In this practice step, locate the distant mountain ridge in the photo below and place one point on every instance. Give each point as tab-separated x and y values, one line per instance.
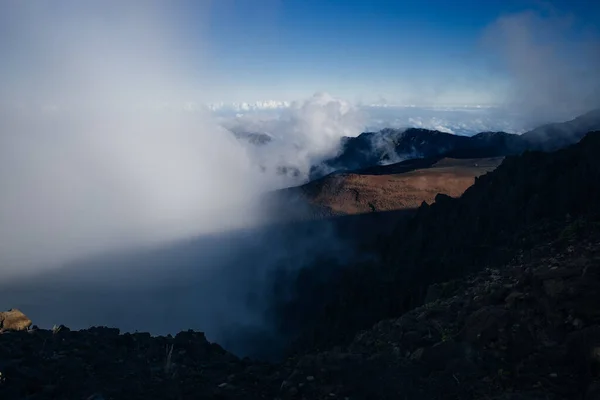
528	199
389	146
552	137
255	138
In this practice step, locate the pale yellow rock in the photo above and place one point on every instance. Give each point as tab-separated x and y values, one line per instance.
14	320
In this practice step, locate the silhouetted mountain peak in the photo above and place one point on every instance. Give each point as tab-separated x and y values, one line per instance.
255	138
394	145
551	137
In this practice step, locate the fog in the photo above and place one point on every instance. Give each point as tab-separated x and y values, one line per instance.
305	133
97	150
87	160
549	63
125	205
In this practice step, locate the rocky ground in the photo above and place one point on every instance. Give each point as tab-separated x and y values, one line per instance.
528	330
528	200
495	295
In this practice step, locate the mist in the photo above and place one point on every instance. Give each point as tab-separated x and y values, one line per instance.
550	64
125	206
304	134
89	159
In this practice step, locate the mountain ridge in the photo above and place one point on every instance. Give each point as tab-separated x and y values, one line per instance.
393	145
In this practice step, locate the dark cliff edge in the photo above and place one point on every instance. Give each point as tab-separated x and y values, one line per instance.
490	296
526	199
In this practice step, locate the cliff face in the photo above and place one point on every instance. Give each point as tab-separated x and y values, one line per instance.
526	330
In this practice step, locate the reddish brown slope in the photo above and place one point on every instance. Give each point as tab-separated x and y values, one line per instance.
387	189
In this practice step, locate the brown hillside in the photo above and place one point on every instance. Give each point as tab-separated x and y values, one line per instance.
389	190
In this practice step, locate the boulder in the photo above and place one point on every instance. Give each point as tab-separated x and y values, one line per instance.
485	323
14	320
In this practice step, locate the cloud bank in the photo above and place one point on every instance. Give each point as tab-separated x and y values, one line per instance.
304	133
150	209
552	65
87	163
95	157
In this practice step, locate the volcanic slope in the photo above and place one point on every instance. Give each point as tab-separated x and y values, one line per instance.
401	186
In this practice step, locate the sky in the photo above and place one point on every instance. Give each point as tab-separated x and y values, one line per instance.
410	51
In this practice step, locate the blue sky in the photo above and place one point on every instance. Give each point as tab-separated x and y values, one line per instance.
426	50
420	52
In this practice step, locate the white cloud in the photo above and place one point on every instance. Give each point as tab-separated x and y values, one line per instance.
109	145
92	172
457	120
304	133
553	69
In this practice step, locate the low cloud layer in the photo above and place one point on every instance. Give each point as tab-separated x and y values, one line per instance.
151	211
305	133
93	159
87	161
550	63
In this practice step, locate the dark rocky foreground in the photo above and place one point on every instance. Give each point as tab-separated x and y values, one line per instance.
495	295
527	330
527	200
